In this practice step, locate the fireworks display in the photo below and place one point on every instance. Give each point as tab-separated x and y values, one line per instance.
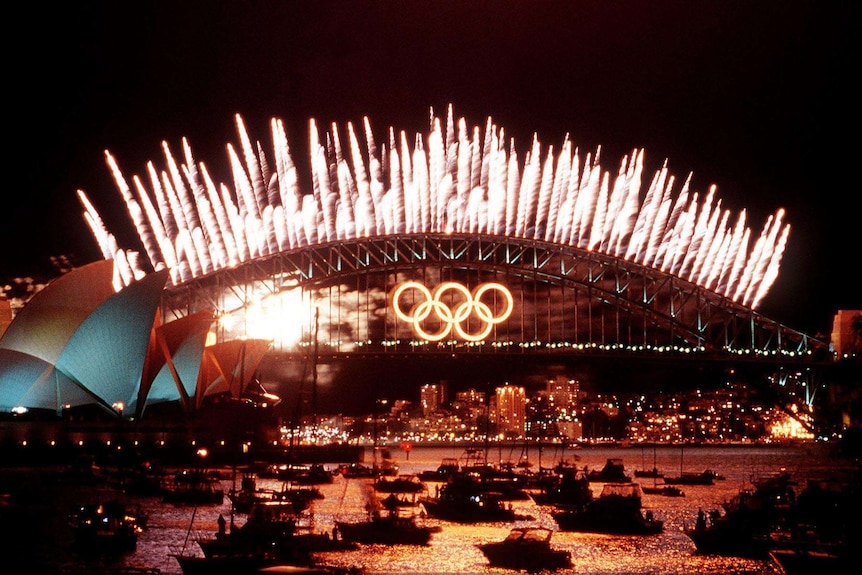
455	180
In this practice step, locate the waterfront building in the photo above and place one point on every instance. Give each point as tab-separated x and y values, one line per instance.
429	397
511	412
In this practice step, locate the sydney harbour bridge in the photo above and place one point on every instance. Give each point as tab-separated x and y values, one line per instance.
451	247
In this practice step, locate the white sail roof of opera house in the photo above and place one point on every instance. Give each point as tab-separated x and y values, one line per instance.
174	361
229	366
78	341
43	326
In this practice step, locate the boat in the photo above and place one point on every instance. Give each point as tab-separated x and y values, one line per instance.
397	519
396	526
743	530
565	486
358	470
612	472
402	483
528	549
665	490
506	481
248	494
103	570
447	468
273	528
141	478
194	487
314	569
106	527
706	477
300	474
806	561
618	511
244	498
653	473
464	499
229	564
386	466
300	496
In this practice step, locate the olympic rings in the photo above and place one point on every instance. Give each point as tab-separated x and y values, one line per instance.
452	318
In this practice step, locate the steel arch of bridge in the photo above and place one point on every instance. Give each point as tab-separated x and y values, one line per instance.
636	307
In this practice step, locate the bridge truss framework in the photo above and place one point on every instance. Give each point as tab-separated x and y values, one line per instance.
567	299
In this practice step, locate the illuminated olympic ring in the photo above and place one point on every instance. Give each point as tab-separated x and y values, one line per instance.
452	318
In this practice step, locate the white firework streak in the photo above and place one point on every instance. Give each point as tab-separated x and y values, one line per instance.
616	201
454	180
738	267
660	223
512	183
706	255
174	208
134	208
772	268
163	204
570	198
224	232
168	228
212	249
158	230
200	263
669	249
717	252
771	233
256	194
751	264
586	205
546	191
642	223
286	178
561	177
599	215
686	231
96	225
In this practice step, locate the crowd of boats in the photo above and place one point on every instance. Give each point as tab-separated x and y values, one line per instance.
801	528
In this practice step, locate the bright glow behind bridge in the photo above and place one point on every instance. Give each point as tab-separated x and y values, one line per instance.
455	180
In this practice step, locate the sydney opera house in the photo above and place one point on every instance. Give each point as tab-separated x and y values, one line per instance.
80	344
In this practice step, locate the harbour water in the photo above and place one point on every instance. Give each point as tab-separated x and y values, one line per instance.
40	541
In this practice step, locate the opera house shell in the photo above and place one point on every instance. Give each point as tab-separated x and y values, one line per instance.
80	341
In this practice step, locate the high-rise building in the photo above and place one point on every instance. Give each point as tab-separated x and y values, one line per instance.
511	409
471	397
563	394
429	397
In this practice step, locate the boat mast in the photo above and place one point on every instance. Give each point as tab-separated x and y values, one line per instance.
314	373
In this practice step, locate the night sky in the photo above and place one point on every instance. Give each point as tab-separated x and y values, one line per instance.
759	98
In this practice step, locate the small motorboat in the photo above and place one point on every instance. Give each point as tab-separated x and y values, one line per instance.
617	511
465	499
665	490
448	467
393	527
107	526
194	487
613	472
528	549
